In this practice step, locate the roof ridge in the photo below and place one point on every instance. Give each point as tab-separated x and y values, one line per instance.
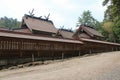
39	18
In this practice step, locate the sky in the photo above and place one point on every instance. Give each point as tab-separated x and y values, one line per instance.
62	12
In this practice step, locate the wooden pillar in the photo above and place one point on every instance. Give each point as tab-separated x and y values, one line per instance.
105	49
79	53
43	59
62	55
33	59
53	56
90	51
112	49
20	47
116	49
38	53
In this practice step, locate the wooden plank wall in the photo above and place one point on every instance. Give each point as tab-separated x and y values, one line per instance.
21	45
14	50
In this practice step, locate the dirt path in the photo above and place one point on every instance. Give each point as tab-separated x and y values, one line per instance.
105	66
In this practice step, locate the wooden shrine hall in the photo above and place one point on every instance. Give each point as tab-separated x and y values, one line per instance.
38	39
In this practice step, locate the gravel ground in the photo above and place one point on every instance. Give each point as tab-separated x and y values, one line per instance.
104	66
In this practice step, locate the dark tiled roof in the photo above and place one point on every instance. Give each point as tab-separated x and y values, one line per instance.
91	31
39	24
28	36
83	35
66	34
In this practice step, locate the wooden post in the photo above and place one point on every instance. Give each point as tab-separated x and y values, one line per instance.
107	49
90	51
53	56
33	59
43	60
38	53
79	53
116	49
112	49
62	55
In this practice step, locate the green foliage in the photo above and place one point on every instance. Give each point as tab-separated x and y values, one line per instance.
108	31
108	26
116	30
105	2
87	19
9	23
112	14
104	33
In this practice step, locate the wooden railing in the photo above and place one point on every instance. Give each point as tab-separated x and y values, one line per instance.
20	44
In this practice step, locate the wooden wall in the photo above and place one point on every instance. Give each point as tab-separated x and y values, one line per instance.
14	46
18	50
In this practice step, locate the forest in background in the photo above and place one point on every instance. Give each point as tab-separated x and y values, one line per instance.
109	27
9	23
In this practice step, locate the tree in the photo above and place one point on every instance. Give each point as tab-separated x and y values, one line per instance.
87	19
9	23
108	27
112	14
